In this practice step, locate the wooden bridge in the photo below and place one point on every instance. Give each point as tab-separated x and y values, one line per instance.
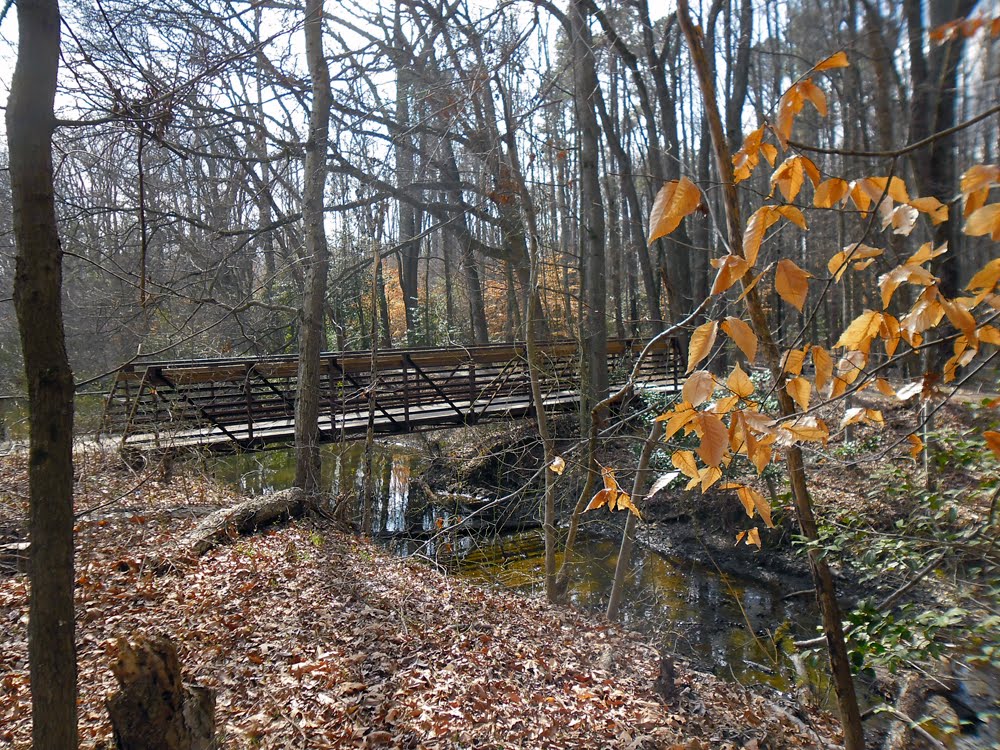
249	403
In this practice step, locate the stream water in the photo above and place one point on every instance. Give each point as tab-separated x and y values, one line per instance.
725	623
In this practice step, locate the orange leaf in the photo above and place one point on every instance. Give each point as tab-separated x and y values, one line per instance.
698	387
714	438
676	199
758	501
752	536
741	335
985	220
884	388
558	465
702	341
836	60
763	218
993	441
839	262
930	205
792	361
917	445
794	215
792	283
739	383
731	269
603	497
682	416
788	178
925	253
799	389
824	367
861	331
830	192
803	428
709	476
685	463
985	278
911	274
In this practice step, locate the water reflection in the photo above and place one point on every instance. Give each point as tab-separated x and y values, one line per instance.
720	620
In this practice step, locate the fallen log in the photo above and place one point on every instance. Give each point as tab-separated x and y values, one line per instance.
227	524
153	708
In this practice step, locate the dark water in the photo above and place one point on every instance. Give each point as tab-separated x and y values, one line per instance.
726	623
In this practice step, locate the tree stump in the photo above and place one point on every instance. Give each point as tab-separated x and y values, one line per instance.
153	709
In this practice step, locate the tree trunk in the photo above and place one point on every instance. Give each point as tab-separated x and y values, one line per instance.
932	110
38	301
593	328
307	458
153	709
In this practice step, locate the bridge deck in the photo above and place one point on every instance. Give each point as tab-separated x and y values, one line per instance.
243	403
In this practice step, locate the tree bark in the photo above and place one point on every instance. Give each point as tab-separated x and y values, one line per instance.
153	708
38	301
593	328
307	457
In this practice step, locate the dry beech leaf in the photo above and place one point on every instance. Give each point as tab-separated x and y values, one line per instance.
830	192
603	497
934	208
851	254
836	60
662	482
685	463
758	224
985	220
740	333
800	389
558	465
731	269
985	279
739	383
709	476
792	361
902	219
916	445
792	283
824	367
883	387
676	199
861	331
926	253
714	438
698	387
752	536
702	341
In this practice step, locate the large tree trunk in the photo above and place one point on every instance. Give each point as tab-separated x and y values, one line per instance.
307	458
593	328
932	110
407	214
38	300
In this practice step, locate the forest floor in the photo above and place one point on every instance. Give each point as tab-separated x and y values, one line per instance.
315	638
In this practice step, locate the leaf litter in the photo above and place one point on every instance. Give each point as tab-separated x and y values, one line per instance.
315	638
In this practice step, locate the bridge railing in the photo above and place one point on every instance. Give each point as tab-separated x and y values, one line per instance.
250	402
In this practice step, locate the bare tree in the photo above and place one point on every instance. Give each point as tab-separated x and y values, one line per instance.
307	457
38	299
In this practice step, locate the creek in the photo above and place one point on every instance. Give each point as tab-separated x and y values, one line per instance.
723	622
